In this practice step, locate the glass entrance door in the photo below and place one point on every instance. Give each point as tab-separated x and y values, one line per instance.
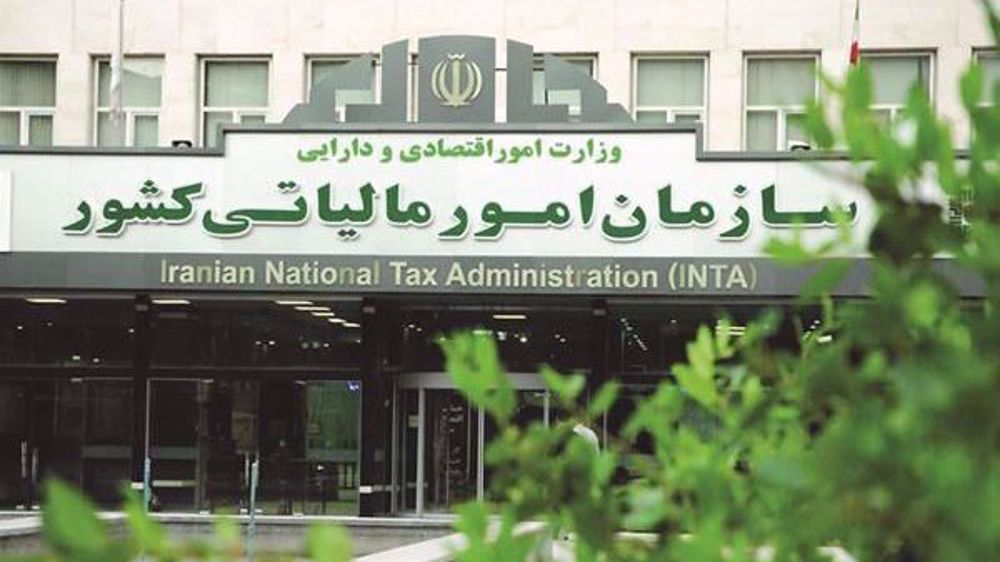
203	436
175	419
78	430
13	446
438	441
451	449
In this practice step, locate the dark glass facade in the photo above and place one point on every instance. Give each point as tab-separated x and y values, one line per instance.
90	385
342	401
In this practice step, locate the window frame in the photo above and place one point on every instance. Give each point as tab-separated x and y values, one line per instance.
26	112
672	111
130	112
341	110
893	109
413	84
538	62
977	55
236	113
781	112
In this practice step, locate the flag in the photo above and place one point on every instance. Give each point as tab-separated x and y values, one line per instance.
117	60
855	35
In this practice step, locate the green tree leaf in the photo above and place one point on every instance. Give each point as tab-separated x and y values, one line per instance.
603	399
565	388
328	543
148	535
71	525
818	127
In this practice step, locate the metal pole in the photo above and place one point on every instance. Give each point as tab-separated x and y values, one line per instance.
147	465
252	527
246	476
393	492
147	483
480	451
421	413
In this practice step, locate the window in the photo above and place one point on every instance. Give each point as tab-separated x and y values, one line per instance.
990	63
141	97
893	76
777	89
542	96
668	89
960	204
27	101
234	91
319	67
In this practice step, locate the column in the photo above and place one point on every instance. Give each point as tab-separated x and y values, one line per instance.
598	345
376	402
140	387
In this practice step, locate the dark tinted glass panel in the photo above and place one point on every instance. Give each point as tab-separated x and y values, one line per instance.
648	339
175	415
408	426
66	332
256	333
78	430
451	461
13	443
206	434
332	447
106	452
526	339
617	417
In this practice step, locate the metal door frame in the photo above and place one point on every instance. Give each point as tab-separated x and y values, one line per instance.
422	382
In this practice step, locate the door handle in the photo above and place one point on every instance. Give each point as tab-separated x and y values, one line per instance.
34	465
24	460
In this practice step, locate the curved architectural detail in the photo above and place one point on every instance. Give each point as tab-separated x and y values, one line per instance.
322	106
456	84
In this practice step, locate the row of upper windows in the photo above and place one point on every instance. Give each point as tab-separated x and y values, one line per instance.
665	89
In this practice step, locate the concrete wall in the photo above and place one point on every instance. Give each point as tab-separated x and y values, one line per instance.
22	535
616	30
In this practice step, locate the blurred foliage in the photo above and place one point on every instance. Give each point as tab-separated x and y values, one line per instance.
879	434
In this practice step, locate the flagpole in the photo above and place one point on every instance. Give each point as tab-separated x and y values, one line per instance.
855	34
117	62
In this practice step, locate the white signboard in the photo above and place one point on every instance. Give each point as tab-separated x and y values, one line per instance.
5	210
621	194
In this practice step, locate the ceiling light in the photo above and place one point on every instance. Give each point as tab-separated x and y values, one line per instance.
293	303
351	325
45	300
324	314
510	317
171	301
336	320
308	308
732	330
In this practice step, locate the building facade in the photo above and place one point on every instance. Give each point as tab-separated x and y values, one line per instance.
255	260
719	46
